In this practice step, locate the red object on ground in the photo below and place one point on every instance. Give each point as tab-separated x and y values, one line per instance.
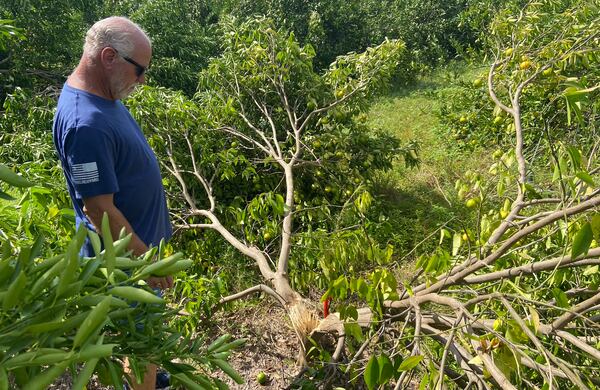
326	307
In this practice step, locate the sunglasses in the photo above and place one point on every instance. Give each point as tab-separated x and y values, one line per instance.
139	69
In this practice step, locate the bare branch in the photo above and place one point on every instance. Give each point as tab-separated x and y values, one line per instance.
530	335
199	176
440	381
287	225
567	317
491	89
579	343
174	170
268	150
529	269
258	288
252	252
462	357
457	277
541	201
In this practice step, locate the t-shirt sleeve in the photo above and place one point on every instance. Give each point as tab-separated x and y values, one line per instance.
90	155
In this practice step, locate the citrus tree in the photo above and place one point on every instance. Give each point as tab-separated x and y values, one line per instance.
86	315
267	141
511	302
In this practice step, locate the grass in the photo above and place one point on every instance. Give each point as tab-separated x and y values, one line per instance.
417	201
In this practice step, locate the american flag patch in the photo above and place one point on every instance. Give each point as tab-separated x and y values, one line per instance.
85	173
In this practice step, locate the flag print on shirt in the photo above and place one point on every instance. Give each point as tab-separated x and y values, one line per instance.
85	173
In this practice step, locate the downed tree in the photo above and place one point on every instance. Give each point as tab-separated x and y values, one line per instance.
250	145
515	302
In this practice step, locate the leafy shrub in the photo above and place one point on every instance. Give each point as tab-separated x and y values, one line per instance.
62	311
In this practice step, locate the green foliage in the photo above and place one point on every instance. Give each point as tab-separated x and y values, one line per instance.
551	41
263	77
181	49
433	30
8	32
559	122
64	310
25	141
49	51
42	57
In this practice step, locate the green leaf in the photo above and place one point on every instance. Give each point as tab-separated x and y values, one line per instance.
371	374
534	319
218	342
443	233
5	196
354	330
424	382
595	224
44	379
456	242
109	249
410	363
531	191
584	176
12	178
4	385
231	345
227	369
506	362
85	374
575	156
476	361
190	384
561	298
557	174
582	241
386	368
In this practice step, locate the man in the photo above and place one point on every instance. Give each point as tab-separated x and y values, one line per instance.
107	162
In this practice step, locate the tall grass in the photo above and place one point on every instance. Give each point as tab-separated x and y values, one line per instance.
418	201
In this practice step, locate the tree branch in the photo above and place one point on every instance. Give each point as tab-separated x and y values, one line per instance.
258	288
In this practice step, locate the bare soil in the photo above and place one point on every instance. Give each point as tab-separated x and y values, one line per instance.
272	345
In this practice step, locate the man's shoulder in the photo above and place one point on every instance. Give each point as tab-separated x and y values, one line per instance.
76	109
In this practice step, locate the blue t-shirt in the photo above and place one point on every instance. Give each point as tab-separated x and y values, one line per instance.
103	151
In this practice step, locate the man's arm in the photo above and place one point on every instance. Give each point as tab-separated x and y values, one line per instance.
95	207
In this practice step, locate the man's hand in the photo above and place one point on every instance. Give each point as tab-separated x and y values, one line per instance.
160	282
95	207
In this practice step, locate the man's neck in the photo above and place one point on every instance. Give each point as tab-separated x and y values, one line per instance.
88	78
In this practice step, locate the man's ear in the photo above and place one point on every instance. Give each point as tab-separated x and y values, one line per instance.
108	57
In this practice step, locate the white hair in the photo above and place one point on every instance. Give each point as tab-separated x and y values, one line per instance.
116	32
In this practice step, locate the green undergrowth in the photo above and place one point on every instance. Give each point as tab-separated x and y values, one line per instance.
418	201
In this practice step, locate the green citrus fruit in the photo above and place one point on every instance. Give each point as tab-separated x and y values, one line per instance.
525	65
471	203
261	378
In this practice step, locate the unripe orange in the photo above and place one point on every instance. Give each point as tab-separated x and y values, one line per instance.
525	65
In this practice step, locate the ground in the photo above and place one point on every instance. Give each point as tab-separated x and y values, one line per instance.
272	346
